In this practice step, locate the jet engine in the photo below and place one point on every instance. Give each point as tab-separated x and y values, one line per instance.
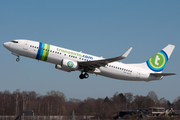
67	65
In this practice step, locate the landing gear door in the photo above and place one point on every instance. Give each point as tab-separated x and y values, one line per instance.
25	47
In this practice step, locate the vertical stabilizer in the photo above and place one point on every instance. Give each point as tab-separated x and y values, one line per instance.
159	60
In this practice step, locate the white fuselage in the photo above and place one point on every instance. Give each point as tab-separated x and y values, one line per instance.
55	55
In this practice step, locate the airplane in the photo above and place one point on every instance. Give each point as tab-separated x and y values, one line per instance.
70	60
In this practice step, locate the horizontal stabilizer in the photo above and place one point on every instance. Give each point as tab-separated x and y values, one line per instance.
162	74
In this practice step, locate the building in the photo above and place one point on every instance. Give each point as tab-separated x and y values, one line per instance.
156	111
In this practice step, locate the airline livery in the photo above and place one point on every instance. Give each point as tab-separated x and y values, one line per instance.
69	60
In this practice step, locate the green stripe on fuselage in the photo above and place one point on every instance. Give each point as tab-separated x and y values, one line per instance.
47	52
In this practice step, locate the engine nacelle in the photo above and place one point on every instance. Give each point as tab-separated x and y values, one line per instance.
67	65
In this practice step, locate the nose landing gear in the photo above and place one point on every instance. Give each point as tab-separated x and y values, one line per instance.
17	59
82	76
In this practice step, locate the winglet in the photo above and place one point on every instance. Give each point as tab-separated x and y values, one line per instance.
127	52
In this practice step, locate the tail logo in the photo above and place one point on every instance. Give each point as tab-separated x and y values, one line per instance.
158	61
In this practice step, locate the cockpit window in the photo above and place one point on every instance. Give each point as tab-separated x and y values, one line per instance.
14	41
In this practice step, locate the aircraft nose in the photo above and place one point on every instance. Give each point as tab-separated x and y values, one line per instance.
6	44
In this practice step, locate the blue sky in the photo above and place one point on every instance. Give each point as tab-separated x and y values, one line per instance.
101	28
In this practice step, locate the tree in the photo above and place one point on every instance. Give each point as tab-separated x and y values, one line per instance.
102	108
106	99
142	102
177	103
56	103
56	94
87	107
163	103
153	96
16	96
118	102
74	100
129	98
122	98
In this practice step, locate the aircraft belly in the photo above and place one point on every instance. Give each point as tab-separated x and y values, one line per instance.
54	59
108	72
32	53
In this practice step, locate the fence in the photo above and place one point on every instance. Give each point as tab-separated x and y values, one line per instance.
46	117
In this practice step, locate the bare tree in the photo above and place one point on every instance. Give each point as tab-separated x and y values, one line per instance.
129	98
177	103
16	96
163	103
55	103
142	102
153	96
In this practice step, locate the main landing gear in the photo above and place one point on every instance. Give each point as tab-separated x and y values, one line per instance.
82	76
17	59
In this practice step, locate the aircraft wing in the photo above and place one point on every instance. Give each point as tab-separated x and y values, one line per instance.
91	65
162	74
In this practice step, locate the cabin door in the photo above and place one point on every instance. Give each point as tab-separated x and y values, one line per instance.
25	47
